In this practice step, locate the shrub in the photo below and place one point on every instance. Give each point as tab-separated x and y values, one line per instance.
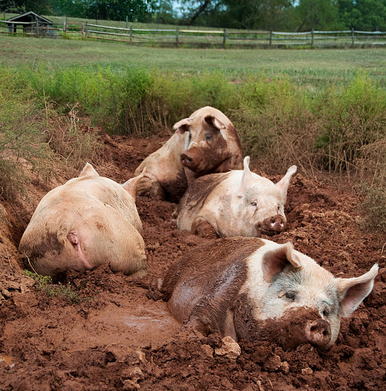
349	119
275	124
373	208
22	126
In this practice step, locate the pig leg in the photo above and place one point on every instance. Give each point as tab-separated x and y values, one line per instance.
149	186
203	229
154	291
214	312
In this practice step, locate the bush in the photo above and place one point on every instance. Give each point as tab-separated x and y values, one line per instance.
22	126
349	119
373	209
275	124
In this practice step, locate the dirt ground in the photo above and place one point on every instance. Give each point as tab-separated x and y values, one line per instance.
107	335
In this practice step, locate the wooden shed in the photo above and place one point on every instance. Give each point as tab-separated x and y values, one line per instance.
31	23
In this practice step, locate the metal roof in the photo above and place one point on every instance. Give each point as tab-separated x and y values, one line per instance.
27	18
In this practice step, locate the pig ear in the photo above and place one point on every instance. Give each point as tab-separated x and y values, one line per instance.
131	185
88	171
211	120
352	291
246	179
275	260
182	126
285	181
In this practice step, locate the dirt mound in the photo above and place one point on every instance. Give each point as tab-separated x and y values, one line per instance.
98	330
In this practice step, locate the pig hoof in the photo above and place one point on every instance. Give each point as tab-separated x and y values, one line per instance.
154	291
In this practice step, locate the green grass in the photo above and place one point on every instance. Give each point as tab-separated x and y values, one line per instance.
46	285
311	69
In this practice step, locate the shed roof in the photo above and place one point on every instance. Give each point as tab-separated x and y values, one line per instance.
28	17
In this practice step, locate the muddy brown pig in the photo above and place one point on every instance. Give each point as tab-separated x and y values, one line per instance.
248	288
88	221
237	203
205	142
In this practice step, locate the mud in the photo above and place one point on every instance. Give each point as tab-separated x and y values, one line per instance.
101	332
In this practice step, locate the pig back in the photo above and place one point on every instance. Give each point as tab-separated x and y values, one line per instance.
82	224
205	282
195	197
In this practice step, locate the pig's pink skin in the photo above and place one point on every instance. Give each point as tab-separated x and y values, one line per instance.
237	203
88	221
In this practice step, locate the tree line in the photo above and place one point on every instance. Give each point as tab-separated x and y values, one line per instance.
277	15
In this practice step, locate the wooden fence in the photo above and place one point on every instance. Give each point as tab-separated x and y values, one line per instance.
235	38
180	37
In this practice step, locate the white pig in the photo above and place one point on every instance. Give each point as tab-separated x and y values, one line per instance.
237	203
88	221
247	288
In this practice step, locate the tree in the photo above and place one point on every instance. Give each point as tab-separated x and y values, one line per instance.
37	6
318	15
366	15
163	11
251	14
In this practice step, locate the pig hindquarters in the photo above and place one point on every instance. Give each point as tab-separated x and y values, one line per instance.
84	223
250	288
236	203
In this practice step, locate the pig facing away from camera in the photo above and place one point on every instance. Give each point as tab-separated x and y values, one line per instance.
237	203
205	142
88	221
250	288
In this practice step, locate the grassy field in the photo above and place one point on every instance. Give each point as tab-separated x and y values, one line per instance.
313	68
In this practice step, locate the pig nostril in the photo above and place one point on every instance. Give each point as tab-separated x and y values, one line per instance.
313	328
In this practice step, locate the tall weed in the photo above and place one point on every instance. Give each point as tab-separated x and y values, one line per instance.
22	127
349	119
275	124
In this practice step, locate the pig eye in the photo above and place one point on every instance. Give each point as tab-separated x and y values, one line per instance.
208	137
290	296
254	203
326	312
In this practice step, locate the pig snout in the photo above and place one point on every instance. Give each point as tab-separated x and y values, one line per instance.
272	224
318	332
187	160
194	159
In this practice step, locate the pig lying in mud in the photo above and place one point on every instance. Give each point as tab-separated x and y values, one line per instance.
205	142
253	289
88	221
236	203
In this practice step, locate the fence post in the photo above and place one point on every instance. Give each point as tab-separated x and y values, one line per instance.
131	35
86	30
270	39
37	28
127	21
65	24
312	38
82	30
224	39
352	37
177	33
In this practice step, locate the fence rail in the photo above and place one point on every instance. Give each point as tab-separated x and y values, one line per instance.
207	38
